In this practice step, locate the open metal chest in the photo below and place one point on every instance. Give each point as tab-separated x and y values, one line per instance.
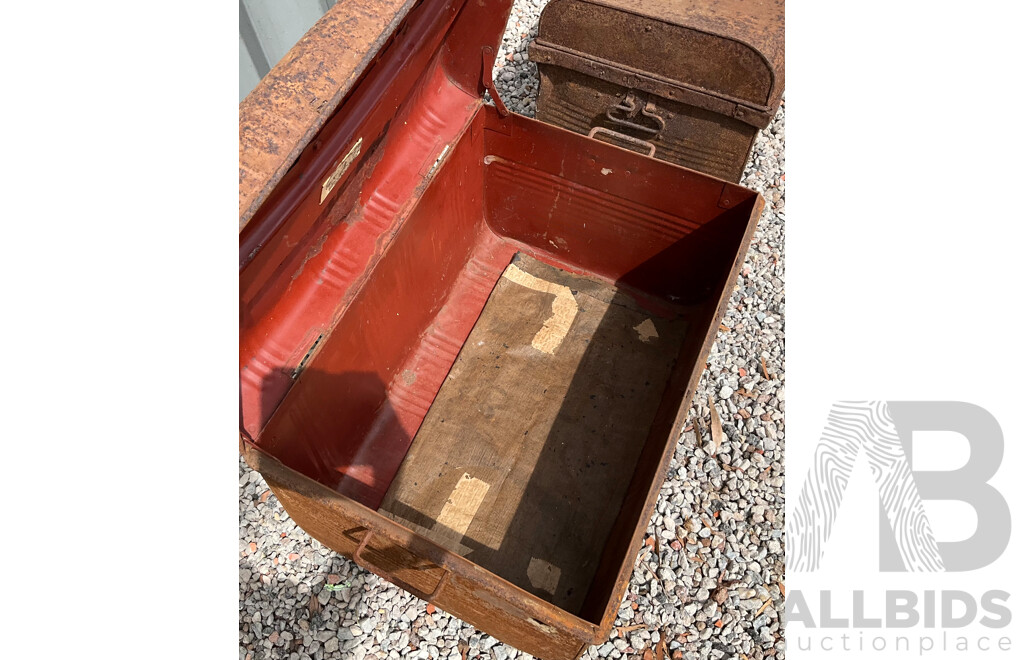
689	81
468	339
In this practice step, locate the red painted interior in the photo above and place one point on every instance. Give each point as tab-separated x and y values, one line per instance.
353	310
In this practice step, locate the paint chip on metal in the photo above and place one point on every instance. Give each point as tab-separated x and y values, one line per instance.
563	308
543	627
340	170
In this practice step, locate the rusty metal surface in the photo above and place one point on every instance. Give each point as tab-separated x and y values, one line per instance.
730	47
453	583
713	71
277	120
636	80
367	265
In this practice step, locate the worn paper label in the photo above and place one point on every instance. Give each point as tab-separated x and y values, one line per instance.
340	170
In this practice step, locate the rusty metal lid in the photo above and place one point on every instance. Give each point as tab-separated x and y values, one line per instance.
733	49
286	109
290	106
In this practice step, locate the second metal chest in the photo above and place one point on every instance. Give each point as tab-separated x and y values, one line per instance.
687	81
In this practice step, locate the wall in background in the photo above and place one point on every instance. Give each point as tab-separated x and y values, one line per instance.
267	29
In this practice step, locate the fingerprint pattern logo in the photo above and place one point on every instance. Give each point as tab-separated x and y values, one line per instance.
853	425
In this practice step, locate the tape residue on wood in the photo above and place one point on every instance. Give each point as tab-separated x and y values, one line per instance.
543	575
460	508
646	331
563	308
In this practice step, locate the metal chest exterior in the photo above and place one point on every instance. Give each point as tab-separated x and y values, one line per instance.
382	207
687	81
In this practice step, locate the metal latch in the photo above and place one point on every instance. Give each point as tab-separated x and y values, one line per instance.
636	114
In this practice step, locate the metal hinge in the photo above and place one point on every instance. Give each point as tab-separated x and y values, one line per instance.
488	80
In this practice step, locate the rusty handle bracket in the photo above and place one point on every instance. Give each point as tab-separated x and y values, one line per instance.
359	559
629	109
651	111
644	144
488	80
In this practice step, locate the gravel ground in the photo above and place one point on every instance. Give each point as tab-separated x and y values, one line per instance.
718	595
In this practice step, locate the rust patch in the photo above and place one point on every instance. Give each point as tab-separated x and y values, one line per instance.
699	104
291	104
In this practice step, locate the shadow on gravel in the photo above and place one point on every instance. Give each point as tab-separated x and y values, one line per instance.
292	589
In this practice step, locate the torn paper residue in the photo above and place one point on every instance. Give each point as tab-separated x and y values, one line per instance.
646	331
461	506
563	308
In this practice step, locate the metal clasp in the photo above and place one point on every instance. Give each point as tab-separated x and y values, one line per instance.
631	111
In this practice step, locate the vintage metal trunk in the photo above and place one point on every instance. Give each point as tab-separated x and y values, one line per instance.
468	339
688	81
